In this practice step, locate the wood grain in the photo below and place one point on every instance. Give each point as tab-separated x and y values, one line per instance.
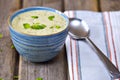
81	5
56	69
57	4
44	3
110	5
7	54
29	3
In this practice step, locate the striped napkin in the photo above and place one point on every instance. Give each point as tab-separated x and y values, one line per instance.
83	62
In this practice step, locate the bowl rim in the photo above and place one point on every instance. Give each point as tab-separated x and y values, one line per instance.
31	9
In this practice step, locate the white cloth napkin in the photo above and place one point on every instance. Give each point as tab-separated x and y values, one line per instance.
83	62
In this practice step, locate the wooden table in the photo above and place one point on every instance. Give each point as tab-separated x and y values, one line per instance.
11	64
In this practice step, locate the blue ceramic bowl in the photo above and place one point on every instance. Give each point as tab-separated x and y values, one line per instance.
38	48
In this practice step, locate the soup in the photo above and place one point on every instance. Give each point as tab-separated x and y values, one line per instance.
39	22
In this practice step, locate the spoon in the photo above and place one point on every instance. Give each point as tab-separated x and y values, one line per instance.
80	30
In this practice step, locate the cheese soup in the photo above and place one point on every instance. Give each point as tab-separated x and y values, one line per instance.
39	22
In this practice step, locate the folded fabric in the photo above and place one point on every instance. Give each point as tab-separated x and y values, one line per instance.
83	62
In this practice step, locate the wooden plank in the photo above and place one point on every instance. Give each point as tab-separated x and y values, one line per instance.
56	69
57	4
81	5
110	5
46	3
7	54
29	3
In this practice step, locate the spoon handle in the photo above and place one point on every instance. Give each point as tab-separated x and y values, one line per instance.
114	72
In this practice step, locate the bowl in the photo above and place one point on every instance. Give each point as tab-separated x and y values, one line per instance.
37	48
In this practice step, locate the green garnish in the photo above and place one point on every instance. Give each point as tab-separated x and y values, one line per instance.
12	46
51	27
43	26
39	78
34	17
38	26
57	27
15	77
51	18
1	50
34	26
26	25
1	35
1	79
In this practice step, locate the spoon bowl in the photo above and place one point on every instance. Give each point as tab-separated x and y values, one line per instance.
80	30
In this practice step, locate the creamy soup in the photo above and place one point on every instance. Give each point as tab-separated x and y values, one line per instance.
39	22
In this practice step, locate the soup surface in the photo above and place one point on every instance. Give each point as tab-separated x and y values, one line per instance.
39	22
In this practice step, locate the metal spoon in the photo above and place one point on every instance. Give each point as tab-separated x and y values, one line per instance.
80	30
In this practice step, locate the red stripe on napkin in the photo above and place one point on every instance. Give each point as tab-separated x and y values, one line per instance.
113	40
71	58
107	38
